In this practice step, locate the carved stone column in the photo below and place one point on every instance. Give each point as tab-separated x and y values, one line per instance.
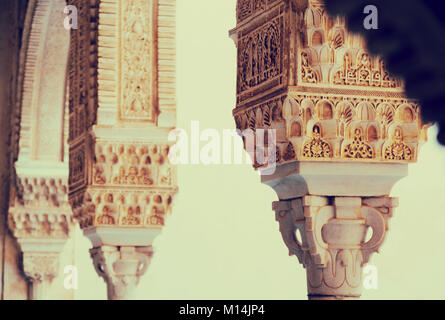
344	134
122	107
40	215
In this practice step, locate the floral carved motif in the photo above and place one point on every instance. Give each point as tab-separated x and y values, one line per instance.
398	150
308	75
137	59
316	147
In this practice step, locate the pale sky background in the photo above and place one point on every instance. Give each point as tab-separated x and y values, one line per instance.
222	241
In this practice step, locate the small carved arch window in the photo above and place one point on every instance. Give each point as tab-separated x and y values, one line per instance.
398	134
365	111
373	135
295	130
276	113
407	115
307	114
325	111
317	39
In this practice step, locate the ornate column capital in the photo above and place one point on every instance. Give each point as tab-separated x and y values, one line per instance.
40	218
327	234
40	266
121	268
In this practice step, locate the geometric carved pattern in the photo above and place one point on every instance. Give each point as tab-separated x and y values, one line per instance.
358	149
321	126
132	164
114	207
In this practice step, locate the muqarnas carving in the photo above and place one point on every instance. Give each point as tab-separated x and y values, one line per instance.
316	128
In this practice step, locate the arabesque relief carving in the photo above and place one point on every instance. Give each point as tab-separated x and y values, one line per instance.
260	57
352	110
138	60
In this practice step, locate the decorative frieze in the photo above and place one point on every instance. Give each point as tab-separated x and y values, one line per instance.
336	127
137	36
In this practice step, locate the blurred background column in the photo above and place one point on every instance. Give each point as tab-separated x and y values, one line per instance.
121	110
39	216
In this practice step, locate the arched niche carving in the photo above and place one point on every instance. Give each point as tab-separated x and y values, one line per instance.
325	110
405	114
295	130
